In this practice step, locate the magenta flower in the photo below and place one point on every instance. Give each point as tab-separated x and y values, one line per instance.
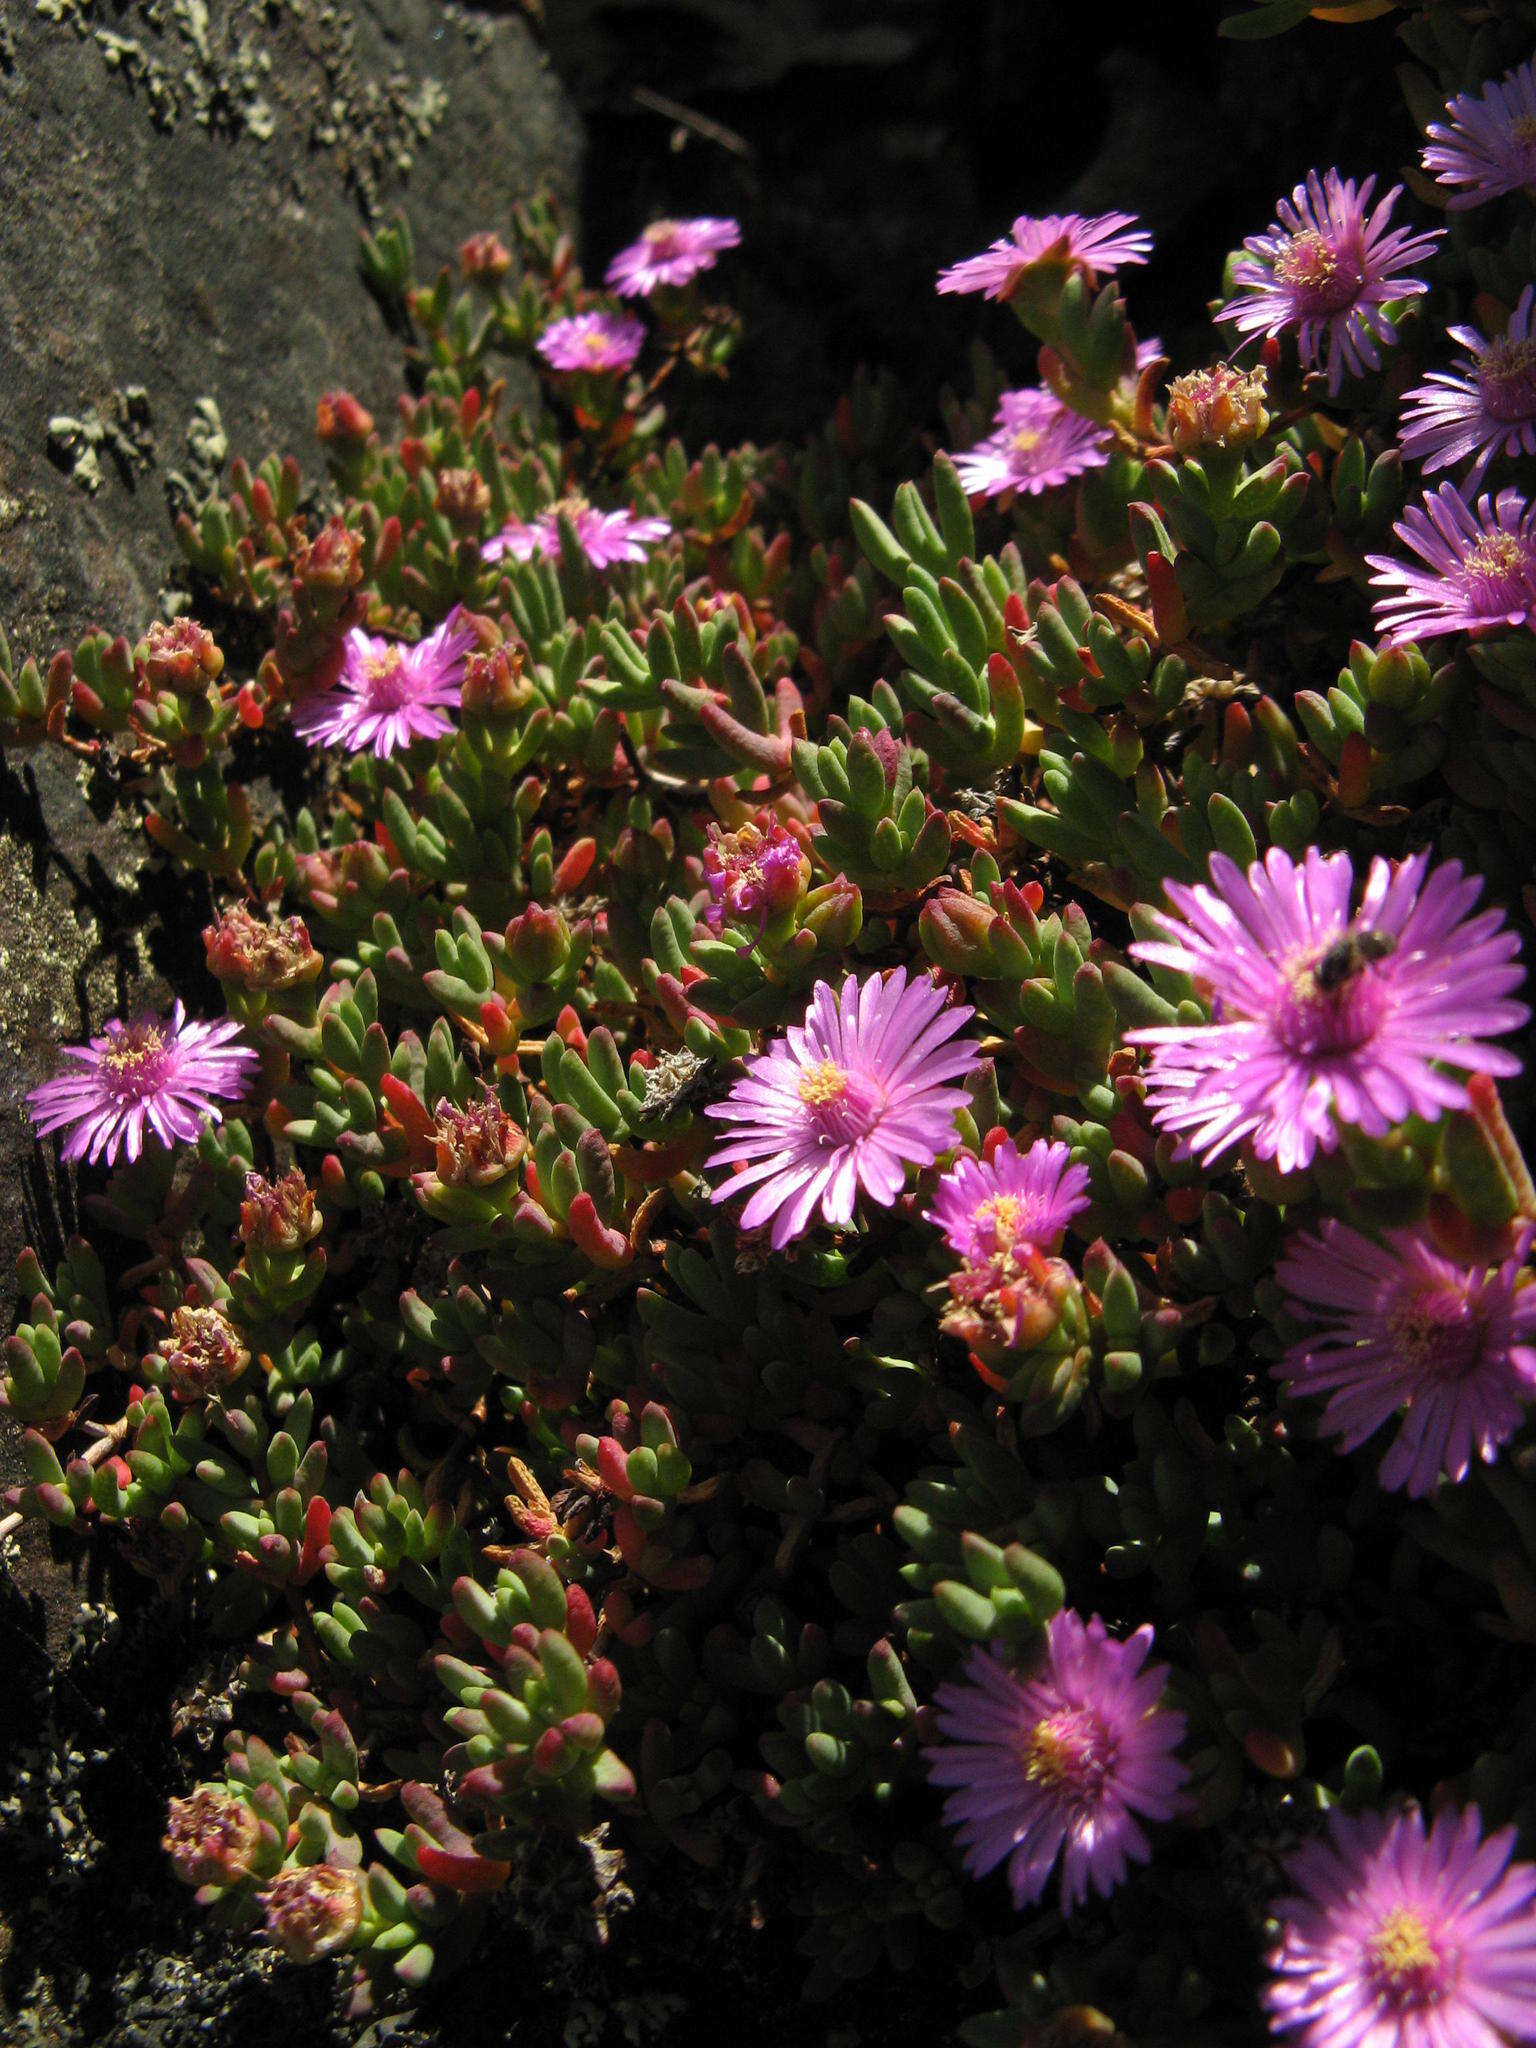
604	537
1395	1938
1488	142
1483	405
849	1099
670	252
752	874
997	1204
1402	1330
1328	269
1096	245
1039	443
522	539
592	341
165	1073
389	693
1059	1762
1479	567
1323	1016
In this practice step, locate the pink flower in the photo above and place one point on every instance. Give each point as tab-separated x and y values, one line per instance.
1484	404
1009	1199
1039	443
1093	245
1323	1016
161	1072
850	1099
604	537
1398	1939
1402	1330
1479	568
1488	143
1328	269
670	252
389	693
752	874
1060	1762
592	341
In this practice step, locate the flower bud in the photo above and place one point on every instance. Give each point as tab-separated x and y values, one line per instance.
312	1910
340	419
494	684
333	560
888	751
538	944
484	255
954	929
1217	408
211	1837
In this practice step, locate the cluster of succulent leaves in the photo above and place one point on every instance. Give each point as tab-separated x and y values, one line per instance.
544	1493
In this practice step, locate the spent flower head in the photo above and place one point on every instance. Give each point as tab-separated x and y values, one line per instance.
278	1215
1322	1014
311	1910
204	1354
159	1075
1062	1760
1327	269
212	1837
752	873
850	1099
1398	1937
1399	1330
476	1145
1486	145
1478	572
251	953
1222	407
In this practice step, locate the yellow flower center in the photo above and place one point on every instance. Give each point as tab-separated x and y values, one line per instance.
1047	1756
131	1051
1308	260
1324	278
825	1082
1402	1952
380	666
1025	439
1069	1752
594	342
1005	1213
1496	555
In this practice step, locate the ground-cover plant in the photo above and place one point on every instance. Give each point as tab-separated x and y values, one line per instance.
858	1199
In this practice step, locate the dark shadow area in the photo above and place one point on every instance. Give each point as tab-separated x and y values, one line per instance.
865	143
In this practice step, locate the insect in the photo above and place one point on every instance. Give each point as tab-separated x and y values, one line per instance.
1347	955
